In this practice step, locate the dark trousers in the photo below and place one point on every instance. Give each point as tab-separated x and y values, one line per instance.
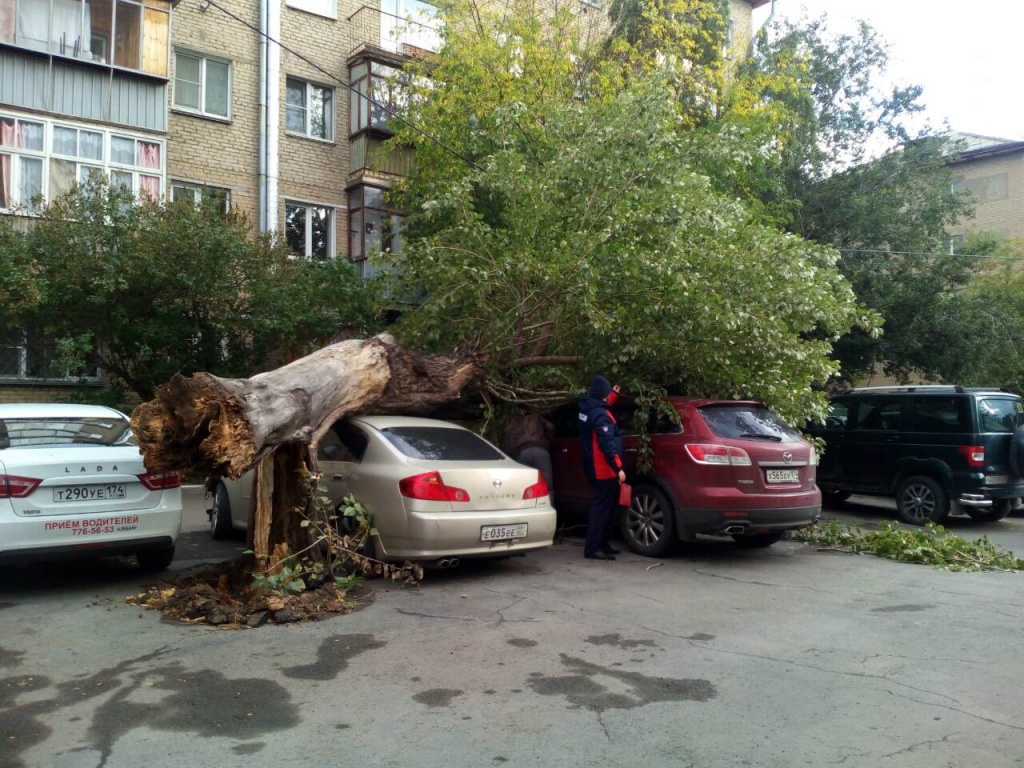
606	499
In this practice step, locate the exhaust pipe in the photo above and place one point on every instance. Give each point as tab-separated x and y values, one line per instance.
448	562
735	529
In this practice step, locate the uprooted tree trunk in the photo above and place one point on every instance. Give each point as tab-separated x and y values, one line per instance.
213	426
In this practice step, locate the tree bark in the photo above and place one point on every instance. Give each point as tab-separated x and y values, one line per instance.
213	426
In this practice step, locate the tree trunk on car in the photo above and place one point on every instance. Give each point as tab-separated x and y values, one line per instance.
204	424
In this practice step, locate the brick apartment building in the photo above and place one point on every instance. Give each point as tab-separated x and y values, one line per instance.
992	170
196	99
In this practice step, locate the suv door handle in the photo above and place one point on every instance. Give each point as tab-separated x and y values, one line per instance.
630	450
892	439
339	477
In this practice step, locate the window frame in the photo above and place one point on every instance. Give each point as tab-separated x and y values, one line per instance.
22	347
136	168
390	233
200	192
329	109
203	59
308	6
332	227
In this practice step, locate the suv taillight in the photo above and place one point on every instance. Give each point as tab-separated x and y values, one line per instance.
430	487
538	489
14	487
720	455
975	454
161	481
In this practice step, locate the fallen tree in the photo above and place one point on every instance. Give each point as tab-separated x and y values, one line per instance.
272	421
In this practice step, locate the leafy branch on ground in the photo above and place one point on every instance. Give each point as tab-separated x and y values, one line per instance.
930	545
322	580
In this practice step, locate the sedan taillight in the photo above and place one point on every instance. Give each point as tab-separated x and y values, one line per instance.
719	455
161	481
430	487
538	489
14	487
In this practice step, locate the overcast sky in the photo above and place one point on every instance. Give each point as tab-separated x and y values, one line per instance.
967	55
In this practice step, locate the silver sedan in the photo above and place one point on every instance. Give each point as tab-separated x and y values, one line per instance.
436	492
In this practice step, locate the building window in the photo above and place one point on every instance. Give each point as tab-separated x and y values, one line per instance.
30	357
377	91
202	85
373	228
134	35
201	195
310	110
309	230
42	159
328	8
985	189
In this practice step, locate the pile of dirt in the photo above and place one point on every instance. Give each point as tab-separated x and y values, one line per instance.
221	595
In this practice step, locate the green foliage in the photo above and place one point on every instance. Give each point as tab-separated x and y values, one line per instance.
840	165
930	545
288	576
147	290
587	228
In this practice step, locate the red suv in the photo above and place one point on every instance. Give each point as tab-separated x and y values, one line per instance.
730	467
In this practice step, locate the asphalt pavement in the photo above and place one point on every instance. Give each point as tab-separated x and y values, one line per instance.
714	657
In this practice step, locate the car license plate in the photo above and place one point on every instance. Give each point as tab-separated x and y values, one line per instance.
503	532
89	492
782	475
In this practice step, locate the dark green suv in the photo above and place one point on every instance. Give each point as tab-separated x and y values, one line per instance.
927	446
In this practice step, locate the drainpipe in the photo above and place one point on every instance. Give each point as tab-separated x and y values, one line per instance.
262	151
273	111
764	25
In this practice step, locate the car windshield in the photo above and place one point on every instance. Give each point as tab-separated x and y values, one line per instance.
750	421
20	433
441	444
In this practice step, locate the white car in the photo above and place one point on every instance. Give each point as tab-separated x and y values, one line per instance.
436	492
72	482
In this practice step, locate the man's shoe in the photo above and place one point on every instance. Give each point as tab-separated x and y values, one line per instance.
599	556
612	551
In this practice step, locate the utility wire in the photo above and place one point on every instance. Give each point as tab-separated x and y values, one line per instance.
929	253
335	78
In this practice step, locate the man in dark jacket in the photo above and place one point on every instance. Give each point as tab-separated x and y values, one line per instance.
602	463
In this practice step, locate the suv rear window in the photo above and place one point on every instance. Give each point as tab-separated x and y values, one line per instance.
19	433
999	414
750	421
441	444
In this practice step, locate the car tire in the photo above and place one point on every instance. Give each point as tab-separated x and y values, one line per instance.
648	525
220	514
920	499
757	540
153	560
1000	508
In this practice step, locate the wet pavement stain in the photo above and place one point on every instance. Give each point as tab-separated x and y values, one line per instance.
333	657
342	726
200	702
617	640
902	608
9	658
582	689
8	605
522	642
701	636
249	749
437	697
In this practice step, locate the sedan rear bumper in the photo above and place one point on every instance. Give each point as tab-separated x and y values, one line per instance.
435	535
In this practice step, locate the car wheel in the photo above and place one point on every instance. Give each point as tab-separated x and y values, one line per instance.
836	497
220	515
921	500
648	525
757	540
1000	508
152	560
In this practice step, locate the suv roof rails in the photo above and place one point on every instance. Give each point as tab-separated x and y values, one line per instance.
924	388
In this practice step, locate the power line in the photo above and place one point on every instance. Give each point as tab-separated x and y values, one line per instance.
335	78
929	253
